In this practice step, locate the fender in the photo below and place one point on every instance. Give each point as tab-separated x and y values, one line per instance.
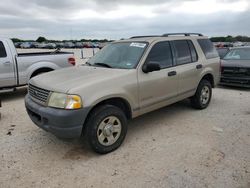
39	65
205	71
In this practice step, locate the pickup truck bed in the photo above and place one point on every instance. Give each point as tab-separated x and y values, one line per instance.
17	68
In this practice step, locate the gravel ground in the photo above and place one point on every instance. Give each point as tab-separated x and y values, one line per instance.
176	146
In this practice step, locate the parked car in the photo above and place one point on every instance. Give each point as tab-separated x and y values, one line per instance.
94	45
17	44
122	81
25	45
222	51
79	45
69	45
17	68
235	67
34	44
87	45
59	45
50	46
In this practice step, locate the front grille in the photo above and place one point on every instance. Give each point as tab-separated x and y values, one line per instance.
39	94
235	72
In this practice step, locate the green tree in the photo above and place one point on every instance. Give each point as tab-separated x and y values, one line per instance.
41	39
16	40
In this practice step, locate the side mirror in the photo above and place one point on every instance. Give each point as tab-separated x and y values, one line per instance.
151	66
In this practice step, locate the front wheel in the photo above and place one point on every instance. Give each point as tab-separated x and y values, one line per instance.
106	128
203	95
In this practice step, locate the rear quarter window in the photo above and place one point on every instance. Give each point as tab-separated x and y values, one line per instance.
2	50
208	48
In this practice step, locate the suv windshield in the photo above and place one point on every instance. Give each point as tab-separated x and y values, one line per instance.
238	54
122	55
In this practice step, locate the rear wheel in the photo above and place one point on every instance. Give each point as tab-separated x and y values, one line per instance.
106	128
203	95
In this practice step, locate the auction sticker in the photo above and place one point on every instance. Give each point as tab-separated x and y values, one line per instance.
138	45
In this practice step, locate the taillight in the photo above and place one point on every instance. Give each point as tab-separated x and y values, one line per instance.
72	61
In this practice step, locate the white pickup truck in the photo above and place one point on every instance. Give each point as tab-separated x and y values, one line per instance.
16	69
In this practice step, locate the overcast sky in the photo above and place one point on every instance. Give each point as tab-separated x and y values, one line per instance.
114	19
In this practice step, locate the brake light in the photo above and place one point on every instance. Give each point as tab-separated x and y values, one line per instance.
72	61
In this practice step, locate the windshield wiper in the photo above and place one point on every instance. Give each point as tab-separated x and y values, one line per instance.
103	65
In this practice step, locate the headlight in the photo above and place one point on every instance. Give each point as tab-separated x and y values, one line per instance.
61	100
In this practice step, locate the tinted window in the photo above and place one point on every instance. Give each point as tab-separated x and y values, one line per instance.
183	54
208	48
2	50
162	54
193	51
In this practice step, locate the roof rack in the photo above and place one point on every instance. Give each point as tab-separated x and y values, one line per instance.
145	36
185	34
167	35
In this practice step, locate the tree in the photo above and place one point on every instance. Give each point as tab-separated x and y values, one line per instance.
16	40
41	39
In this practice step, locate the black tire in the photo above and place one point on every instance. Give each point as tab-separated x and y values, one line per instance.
93	125
196	100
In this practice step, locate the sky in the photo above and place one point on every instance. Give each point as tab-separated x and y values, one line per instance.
115	19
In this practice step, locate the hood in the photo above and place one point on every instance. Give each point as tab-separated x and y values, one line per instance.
66	79
235	63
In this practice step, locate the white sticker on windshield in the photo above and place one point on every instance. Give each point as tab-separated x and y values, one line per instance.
138	45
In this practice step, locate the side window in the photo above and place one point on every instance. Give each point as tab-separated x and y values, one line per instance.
208	48
162	54
193	51
183	54
2	50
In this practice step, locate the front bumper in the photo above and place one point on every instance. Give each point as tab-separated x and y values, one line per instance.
235	81
60	122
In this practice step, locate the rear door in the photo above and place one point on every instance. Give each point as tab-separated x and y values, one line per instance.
187	65
157	88
7	72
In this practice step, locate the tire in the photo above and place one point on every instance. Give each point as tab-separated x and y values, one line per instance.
106	129
203	95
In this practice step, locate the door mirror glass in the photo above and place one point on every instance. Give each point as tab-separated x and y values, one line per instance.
151	66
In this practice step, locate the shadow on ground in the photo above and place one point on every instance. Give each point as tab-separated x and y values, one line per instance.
13	95
237	88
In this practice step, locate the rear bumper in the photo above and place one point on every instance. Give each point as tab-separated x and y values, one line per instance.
62	123
235	81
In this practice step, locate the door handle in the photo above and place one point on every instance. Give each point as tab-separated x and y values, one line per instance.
199	66
6	62
172	73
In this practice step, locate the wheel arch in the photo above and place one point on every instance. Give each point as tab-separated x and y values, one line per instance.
40	70
209	77
119	102
39	66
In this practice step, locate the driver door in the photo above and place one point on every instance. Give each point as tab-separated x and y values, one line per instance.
7	74
158	88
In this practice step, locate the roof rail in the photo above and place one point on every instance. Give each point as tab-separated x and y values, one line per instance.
185	34
167	35
145	36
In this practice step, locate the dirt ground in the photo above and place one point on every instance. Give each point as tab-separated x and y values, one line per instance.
176	146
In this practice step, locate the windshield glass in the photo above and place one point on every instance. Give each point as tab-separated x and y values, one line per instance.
238	54
123	55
